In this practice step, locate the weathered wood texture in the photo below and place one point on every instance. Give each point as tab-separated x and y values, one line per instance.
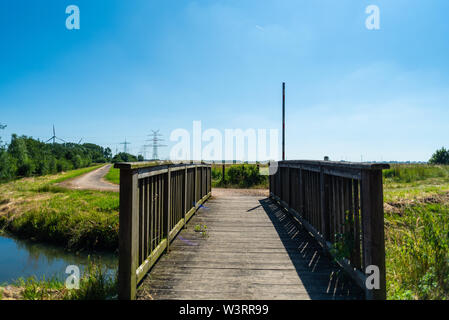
341	204
155	203
253	250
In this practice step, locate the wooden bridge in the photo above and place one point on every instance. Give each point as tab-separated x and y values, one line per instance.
312	236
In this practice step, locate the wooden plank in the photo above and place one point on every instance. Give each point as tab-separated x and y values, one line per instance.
305	164
150	261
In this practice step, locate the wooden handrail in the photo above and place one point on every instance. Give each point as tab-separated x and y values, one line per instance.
341	204
156	201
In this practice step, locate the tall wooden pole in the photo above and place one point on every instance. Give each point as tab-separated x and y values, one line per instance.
283	121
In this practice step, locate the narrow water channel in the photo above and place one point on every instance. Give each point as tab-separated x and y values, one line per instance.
23	259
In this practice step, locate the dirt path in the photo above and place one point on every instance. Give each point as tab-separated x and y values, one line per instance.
223	192
92	181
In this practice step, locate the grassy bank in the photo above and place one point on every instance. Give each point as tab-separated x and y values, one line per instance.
38	209
113	176
417	231
94	284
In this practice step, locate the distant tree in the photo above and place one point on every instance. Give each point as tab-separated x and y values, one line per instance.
2	127
124	157
7	166
107	154
18	151
140	158
440	156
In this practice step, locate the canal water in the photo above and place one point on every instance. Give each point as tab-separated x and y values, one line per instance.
23	258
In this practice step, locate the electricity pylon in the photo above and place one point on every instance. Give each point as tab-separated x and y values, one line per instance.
125	146
155	139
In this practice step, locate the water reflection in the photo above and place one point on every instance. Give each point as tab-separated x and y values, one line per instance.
22	258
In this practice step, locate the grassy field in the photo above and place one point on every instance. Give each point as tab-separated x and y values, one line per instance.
417	231
36	208
113	176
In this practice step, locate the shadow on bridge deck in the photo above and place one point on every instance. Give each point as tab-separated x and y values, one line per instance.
252	250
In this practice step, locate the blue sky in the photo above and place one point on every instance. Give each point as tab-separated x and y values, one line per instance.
139	65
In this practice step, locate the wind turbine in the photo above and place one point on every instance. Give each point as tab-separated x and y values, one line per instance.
55	137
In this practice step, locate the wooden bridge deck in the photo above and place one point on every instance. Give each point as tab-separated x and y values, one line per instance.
252	251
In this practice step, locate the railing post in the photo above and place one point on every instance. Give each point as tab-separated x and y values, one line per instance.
223	172
209	170
301	193
288	184
196	186
185	196
373	228
128	235
324	207
167	208
270	190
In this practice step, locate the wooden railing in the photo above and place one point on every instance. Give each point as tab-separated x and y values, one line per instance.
155	203
341	204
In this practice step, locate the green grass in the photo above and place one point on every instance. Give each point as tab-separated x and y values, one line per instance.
94	284
415	173
37	209
113	176
417	233
415	181
239	176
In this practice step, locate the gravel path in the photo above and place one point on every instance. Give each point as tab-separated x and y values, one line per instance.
92	181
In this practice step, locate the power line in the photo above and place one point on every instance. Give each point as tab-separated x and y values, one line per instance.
155	139
125	146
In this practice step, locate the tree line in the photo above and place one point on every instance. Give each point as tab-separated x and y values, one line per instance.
25	157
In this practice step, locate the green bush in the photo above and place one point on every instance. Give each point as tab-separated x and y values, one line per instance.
244	176
440	156
124	157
